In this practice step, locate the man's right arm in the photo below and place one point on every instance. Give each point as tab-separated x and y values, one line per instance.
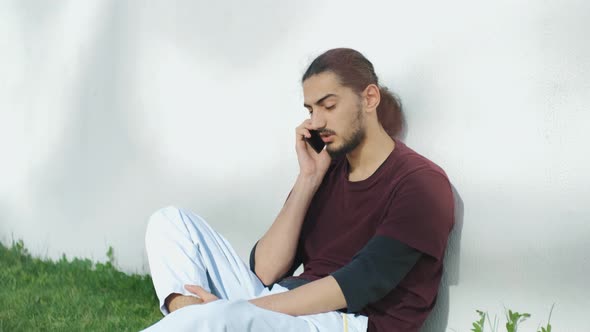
275	251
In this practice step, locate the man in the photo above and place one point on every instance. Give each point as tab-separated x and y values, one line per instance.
367	217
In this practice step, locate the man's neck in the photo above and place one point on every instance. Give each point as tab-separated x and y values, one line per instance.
369	155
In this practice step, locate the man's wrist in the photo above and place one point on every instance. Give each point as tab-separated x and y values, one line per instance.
311	181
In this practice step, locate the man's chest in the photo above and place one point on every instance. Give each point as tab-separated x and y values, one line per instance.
339	225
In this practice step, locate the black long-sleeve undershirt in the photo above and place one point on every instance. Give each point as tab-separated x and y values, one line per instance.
374	271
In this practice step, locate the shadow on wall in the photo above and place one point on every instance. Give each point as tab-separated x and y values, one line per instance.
217	30
439	317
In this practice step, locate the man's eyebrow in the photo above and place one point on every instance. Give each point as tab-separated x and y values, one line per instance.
321	100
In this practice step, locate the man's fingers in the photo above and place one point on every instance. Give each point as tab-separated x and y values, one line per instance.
197	290
304	128
303	132
200	292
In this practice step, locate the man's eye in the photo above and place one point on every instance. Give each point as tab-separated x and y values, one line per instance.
330	107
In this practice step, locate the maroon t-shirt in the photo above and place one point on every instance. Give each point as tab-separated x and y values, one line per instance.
408	199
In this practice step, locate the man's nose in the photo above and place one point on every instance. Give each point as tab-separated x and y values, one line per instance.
318	121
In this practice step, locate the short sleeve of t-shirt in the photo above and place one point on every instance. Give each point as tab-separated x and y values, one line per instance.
420	213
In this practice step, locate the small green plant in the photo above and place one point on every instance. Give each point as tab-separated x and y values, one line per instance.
547	328
513	319
111	256
18	248
478	325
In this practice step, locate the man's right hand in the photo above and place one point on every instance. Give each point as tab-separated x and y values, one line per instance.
176	301
311	163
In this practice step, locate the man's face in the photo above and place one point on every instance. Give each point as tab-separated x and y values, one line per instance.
336	112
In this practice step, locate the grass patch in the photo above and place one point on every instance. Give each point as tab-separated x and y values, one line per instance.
71	295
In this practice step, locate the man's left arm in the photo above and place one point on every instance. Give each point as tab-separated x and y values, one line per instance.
372	273
319	296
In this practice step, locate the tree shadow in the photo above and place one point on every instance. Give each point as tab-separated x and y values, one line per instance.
100	182
216	31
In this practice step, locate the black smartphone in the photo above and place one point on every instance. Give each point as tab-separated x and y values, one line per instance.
315	141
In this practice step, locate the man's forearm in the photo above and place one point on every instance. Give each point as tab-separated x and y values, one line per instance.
319	296
276	249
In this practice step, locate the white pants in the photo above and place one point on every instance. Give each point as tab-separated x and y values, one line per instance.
183	249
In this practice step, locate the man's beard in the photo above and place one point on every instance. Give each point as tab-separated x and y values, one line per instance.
350	143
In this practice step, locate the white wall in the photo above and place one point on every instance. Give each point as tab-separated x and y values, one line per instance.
110	110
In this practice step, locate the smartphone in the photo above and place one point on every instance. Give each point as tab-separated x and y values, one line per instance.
315	141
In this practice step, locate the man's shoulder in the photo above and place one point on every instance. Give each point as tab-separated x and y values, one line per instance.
411	165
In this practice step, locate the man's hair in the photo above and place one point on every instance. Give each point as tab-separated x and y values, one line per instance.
356	72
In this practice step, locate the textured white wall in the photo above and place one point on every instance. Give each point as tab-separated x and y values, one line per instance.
110	110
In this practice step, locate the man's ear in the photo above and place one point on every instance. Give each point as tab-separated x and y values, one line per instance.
372	97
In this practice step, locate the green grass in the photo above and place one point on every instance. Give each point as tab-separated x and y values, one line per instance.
71	295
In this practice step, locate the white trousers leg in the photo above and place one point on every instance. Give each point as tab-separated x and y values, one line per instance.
183	249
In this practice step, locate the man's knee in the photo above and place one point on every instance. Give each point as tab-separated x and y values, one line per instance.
160	222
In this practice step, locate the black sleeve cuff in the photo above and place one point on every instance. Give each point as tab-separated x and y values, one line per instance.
374	271
253	258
